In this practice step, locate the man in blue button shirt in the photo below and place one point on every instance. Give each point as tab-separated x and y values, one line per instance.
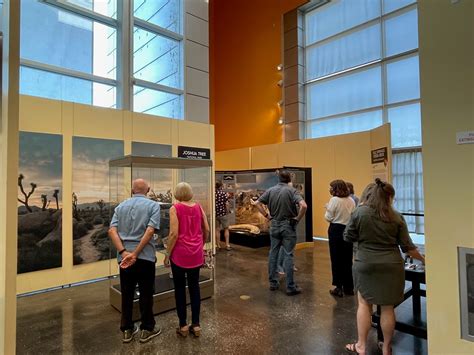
131	230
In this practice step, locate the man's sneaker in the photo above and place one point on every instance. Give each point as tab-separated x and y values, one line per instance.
128	334
294	292
274	287
147	335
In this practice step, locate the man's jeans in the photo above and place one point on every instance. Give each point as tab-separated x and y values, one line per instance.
282	234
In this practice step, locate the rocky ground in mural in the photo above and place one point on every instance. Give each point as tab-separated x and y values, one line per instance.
90	225
39	238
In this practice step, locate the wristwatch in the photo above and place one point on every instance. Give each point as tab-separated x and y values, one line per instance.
122	251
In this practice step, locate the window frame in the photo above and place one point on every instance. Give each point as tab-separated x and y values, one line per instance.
382	62
124	24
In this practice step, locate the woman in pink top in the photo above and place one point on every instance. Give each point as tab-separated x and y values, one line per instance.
188	232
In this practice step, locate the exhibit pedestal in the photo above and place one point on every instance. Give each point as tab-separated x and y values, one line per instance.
163	299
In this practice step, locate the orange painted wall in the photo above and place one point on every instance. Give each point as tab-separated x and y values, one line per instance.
245	49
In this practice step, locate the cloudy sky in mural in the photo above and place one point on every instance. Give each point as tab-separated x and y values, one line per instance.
41	163
91	167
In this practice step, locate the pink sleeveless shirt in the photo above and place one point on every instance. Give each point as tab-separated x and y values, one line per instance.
188	251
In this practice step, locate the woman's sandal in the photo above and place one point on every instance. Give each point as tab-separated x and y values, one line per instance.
183	331
352	348
195	330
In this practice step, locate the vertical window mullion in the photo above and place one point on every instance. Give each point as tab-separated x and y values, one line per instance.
124	55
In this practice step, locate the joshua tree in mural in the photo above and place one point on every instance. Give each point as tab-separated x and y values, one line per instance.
27	195
56	197
75	212
101	204
44	200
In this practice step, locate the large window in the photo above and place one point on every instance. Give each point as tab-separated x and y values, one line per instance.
107	53
362	70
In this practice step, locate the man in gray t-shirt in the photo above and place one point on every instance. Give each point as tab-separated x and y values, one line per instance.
282	201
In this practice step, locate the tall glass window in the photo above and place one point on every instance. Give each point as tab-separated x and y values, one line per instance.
362	69
71	50
362	57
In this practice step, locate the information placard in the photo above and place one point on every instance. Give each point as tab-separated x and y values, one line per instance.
194	153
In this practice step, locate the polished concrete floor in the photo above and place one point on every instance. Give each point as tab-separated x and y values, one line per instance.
79	320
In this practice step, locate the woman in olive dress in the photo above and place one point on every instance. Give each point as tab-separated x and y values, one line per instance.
379	273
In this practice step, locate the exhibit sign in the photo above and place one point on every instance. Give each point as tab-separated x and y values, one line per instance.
379	158
90	197
39	201
465	137
193	153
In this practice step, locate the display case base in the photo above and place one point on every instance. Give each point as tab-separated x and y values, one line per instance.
249	240
163	299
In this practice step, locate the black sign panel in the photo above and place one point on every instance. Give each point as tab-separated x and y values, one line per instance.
194	153
379	155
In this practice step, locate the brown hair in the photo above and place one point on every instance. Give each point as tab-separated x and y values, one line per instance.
339	188
366	193
380	199
218	184
284	176
350	187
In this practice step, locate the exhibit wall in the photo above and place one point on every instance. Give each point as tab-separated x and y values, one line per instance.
346	157
89	137
447	99
244	75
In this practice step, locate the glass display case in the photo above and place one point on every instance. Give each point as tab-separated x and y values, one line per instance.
163	174
247	225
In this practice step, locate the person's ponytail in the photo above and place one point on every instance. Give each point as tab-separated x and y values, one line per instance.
380	200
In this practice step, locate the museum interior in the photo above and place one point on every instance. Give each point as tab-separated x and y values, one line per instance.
99	93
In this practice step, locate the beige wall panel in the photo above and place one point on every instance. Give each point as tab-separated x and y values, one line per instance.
197	29
40	115
235	159
291	154
380	137
151	129
447	93
194	134
97	122
197	82
353	160
198	8
320	156
127	118
264	156
197	109
197	56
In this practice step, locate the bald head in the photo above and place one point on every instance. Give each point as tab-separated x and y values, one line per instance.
140	186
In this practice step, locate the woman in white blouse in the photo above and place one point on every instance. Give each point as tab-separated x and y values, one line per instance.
338	213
